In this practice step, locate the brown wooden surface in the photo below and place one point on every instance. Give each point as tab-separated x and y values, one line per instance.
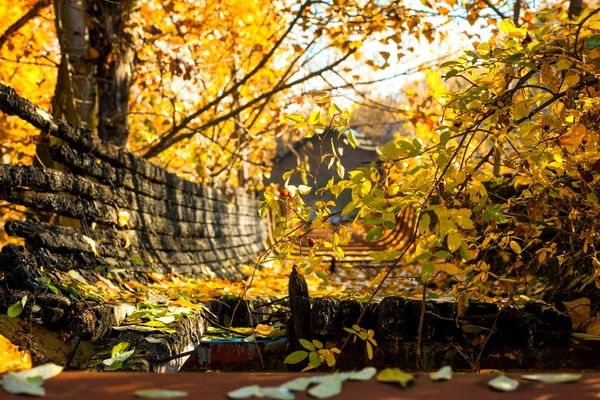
116	386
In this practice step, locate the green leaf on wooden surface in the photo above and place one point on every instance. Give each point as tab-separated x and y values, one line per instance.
328	388
443	374
245	392
159	393
553	378
503	383
276	392
395	375
44	371
12	383
298	384
364	374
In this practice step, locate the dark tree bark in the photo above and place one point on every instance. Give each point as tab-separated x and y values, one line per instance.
97	65
75	93
575	8
110	32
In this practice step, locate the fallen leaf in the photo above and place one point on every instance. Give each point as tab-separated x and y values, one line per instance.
244	392
298	384
123	218
159	393
503	383
594	327
363	375
16	309
14	384
585	336
329	387
276	392
443	374
92	244
263	329
553	378
44	371
393	375
30	381
579	311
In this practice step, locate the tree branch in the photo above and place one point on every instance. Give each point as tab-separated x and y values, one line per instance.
29	15
184	122
170	139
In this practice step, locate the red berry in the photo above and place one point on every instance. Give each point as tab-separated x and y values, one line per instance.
284	193
311	242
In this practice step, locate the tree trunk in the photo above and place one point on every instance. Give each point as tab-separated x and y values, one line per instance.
112	37
575	8
75	93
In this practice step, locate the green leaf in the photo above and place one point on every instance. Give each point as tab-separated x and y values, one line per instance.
363	375
374	234
314	359
317	344
16	309
427	271
245	392
328	388
118	356
276	392
307	345
585	336
553	378
422	256
443	374
593	42
424	223
44	371
393	375
503	383
119	348
442	254
14	384
296	357
159	393
298	384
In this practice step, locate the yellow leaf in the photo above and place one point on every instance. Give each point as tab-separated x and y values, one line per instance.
123	218
369	351
454	240
263	329
573	136
92	244
515	247
579	311
507	26
594	327
448	268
